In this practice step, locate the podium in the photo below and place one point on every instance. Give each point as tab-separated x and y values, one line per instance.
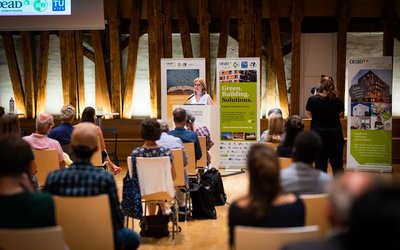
206	115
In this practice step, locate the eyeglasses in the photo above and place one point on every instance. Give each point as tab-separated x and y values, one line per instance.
198	84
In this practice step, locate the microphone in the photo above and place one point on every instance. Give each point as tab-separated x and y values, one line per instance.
190	97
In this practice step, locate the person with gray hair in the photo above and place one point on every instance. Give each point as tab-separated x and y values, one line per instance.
63	132
170	141
40	141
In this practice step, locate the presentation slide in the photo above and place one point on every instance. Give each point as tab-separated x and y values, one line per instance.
35	8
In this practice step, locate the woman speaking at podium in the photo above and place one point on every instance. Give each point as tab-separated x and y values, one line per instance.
200	96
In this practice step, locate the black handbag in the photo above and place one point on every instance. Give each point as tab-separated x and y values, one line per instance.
154	226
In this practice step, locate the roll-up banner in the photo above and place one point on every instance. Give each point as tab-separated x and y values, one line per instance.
369	126
238	82
177	77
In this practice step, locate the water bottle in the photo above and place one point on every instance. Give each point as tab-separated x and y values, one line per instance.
11	106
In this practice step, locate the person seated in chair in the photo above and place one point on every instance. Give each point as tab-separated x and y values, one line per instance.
83	179
63	132
20	206
265	205
301	177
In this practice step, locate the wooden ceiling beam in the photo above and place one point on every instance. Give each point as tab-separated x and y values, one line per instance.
343	19
43	69
204	20
29	73
388	33
183	21
296	18
80	73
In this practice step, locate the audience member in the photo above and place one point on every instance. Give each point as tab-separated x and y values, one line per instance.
150	131
2	112
293	126
89	115
343	193
275	127
185	135
9	124
325	108
265	205
200	131
83	179
169	141
40	141
63	132
20	206
200	95
301	177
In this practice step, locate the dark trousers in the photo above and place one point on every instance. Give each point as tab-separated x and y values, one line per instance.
332	150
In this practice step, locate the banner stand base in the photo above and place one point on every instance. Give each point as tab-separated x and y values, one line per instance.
376	170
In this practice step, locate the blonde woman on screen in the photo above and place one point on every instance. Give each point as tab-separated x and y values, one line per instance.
200	95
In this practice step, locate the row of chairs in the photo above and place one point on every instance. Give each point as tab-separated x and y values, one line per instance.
78	220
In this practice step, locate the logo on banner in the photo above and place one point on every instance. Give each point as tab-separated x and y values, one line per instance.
40	5
244	64
253	64
235	64
358	61
58	5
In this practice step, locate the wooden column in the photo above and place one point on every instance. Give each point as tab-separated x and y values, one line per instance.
242	27
204	20
65	67
80	77
388	32
43	69
14	72
296	18
73	84
29	79
101	87
343	18
167	10
183	22
278	57
155	50
270	90
136	12
115	57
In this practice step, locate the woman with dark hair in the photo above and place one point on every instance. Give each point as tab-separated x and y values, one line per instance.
325	108
265	205
150	131
20	206
293	126
89	115
9	124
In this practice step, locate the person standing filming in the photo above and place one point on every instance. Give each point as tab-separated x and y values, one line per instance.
325	108
200	95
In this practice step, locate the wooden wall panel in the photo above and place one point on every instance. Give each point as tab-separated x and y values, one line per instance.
43	69
132	58
14	72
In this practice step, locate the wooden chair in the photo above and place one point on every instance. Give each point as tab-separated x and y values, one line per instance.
315	205
180	180
191	166
285	162
33	239
202	162
257	238
46	161
86	221
156	184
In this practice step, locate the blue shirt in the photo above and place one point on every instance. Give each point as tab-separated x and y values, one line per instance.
171	142
62	133
188	136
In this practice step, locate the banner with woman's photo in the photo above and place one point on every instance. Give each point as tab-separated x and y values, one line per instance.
238	81
369	126
177	77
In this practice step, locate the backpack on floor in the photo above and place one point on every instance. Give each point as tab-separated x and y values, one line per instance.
202	202
212	178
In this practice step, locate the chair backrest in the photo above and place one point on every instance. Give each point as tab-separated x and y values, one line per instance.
270	145
86	221
155	178
202	162
255	238
285	162
129	164
315	205
191	166
97	159
33	239
179	167
46	161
